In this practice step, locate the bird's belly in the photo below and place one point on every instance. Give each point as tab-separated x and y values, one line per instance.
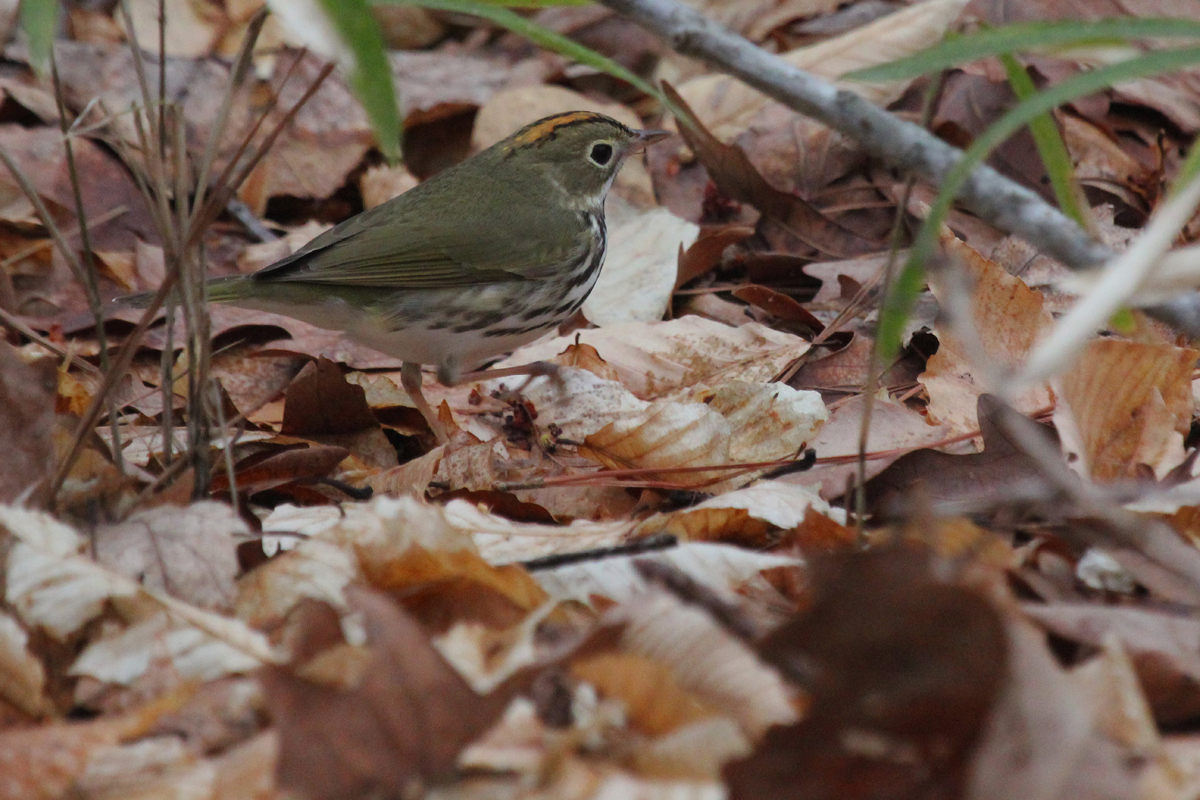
466	326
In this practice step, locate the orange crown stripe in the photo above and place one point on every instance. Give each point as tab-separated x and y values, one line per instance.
541	130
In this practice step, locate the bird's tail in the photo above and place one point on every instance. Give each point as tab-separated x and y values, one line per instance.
220	290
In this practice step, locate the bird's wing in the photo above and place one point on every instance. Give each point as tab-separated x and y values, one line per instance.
455	246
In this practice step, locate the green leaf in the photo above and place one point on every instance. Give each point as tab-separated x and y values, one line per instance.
39	21
538	34
1024	37
899	302
1050	144
371	74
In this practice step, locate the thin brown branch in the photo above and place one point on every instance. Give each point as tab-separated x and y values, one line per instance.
896	142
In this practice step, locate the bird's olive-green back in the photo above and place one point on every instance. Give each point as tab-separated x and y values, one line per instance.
511	212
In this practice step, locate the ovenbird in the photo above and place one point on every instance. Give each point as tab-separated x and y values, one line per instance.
474	262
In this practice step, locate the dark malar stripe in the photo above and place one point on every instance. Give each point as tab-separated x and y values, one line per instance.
600	236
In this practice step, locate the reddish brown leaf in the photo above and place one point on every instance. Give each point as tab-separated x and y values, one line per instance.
27	395
733	173
320	401
400	727
705	252
902	670
282	468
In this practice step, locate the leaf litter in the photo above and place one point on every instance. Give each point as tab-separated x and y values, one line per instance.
650	574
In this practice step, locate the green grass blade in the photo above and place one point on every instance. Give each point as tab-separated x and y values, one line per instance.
39	21
1023	37
538	34
897	305
1051	147
371	76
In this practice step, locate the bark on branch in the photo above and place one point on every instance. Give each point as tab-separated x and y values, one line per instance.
896	142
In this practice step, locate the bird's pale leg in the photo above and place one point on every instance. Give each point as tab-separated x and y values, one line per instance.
534	370
410	379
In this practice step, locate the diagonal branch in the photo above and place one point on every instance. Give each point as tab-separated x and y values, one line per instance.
898	143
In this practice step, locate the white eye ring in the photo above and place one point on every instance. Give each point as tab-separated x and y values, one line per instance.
601	153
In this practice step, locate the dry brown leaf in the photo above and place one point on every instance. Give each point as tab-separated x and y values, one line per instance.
1100	162
27	395
747	514
706	660
320	401
22	676
727	106
1124	404
896	662
185	552
894	430
379	736
655	701
736	176
411	477
441	587
1008	318
653	360
971	482
43	763
666	436
726	570
640	269
328	558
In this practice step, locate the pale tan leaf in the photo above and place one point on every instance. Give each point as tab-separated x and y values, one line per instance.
48	583
723	568
696	751
503	541
708	661
666	436
638	278
189	552
767	421
1123	715
779	504
22	676
1125	404
43	763
1008	317
582	405
194	654
726	106
517	743
653	360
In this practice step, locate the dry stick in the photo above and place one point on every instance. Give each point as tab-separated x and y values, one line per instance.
237	77
17	324
227	188
901	144
153	145
68	233
129	348
89	265
119	366
590	478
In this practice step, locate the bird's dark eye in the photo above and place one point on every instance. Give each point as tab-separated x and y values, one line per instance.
602	153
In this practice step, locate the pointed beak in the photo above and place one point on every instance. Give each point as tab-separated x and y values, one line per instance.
646	138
